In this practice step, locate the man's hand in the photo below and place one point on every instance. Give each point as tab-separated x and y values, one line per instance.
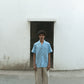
35	68
34	58
48	67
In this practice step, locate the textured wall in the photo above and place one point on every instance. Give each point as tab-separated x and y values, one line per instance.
68	32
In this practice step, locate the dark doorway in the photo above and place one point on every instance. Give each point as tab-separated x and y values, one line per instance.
35	26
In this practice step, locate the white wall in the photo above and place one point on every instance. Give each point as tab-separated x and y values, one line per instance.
15	31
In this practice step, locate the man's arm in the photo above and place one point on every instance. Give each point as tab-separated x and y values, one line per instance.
34	61
48	61
34	57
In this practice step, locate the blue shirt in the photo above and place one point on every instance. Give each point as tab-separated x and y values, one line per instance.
41	51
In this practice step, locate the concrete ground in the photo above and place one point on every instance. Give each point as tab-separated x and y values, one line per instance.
55	77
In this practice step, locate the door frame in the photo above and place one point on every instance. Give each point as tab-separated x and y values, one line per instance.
44	20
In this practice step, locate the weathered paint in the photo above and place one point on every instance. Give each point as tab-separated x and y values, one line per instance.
68	31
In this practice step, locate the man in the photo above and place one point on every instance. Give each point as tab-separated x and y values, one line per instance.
41	58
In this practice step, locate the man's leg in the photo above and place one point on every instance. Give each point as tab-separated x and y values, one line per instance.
45	75
38	76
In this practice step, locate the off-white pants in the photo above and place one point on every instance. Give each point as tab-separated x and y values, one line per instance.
41	75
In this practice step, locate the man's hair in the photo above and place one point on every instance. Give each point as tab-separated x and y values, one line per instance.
41	32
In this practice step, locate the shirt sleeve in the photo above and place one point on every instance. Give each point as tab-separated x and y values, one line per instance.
49	49
33	49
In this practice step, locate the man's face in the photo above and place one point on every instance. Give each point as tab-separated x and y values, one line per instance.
41	36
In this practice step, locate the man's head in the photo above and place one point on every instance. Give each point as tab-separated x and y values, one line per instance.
41	34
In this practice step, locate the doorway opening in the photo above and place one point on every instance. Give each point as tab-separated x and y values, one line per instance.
35	26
